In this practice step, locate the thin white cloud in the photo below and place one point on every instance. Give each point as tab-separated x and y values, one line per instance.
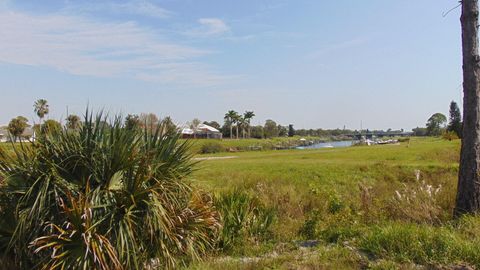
82	46
132	7
214	25
144	8
209	27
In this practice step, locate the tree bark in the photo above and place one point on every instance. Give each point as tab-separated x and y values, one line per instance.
468	192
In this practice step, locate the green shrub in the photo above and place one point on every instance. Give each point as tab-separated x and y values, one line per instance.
335	204
420	244
211	147
308	230
337	233
102	197
450	135
244	218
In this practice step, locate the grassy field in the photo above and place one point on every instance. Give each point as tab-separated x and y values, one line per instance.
379	207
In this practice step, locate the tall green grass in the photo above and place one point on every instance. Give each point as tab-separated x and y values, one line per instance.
421	244
349	198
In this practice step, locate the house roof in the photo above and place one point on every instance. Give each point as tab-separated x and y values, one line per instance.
188	131
207	127
200	127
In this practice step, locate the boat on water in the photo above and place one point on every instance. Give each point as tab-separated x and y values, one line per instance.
387	142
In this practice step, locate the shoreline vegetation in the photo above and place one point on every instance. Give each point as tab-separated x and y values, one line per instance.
209	146
212	146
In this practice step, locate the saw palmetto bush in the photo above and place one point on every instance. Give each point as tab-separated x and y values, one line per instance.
102	197
245	219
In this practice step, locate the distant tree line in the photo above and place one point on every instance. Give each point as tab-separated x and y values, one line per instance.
18	126
235	125
437	124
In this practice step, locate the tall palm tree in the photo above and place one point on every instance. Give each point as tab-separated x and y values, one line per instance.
242	122
230	117
73	121
248	115
237	121
41	108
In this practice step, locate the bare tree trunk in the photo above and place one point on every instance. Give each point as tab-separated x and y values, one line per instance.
231	131
468	193
236	128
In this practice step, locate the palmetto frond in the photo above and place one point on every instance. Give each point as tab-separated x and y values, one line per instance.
76	244
130	186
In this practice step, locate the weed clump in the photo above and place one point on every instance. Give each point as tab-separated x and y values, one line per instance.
450	135
420	244
245	219
416	202
211	147
308	230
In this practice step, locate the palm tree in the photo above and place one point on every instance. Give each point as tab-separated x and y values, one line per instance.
248	115
230	117
132	121
73	122
237	121
242	122
170	127
41	108
17	126
103	198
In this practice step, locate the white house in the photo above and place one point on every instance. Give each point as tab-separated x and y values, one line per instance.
3	134
202	131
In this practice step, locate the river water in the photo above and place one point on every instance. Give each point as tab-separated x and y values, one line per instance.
337	144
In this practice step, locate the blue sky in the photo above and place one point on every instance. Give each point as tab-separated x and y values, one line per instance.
312	63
